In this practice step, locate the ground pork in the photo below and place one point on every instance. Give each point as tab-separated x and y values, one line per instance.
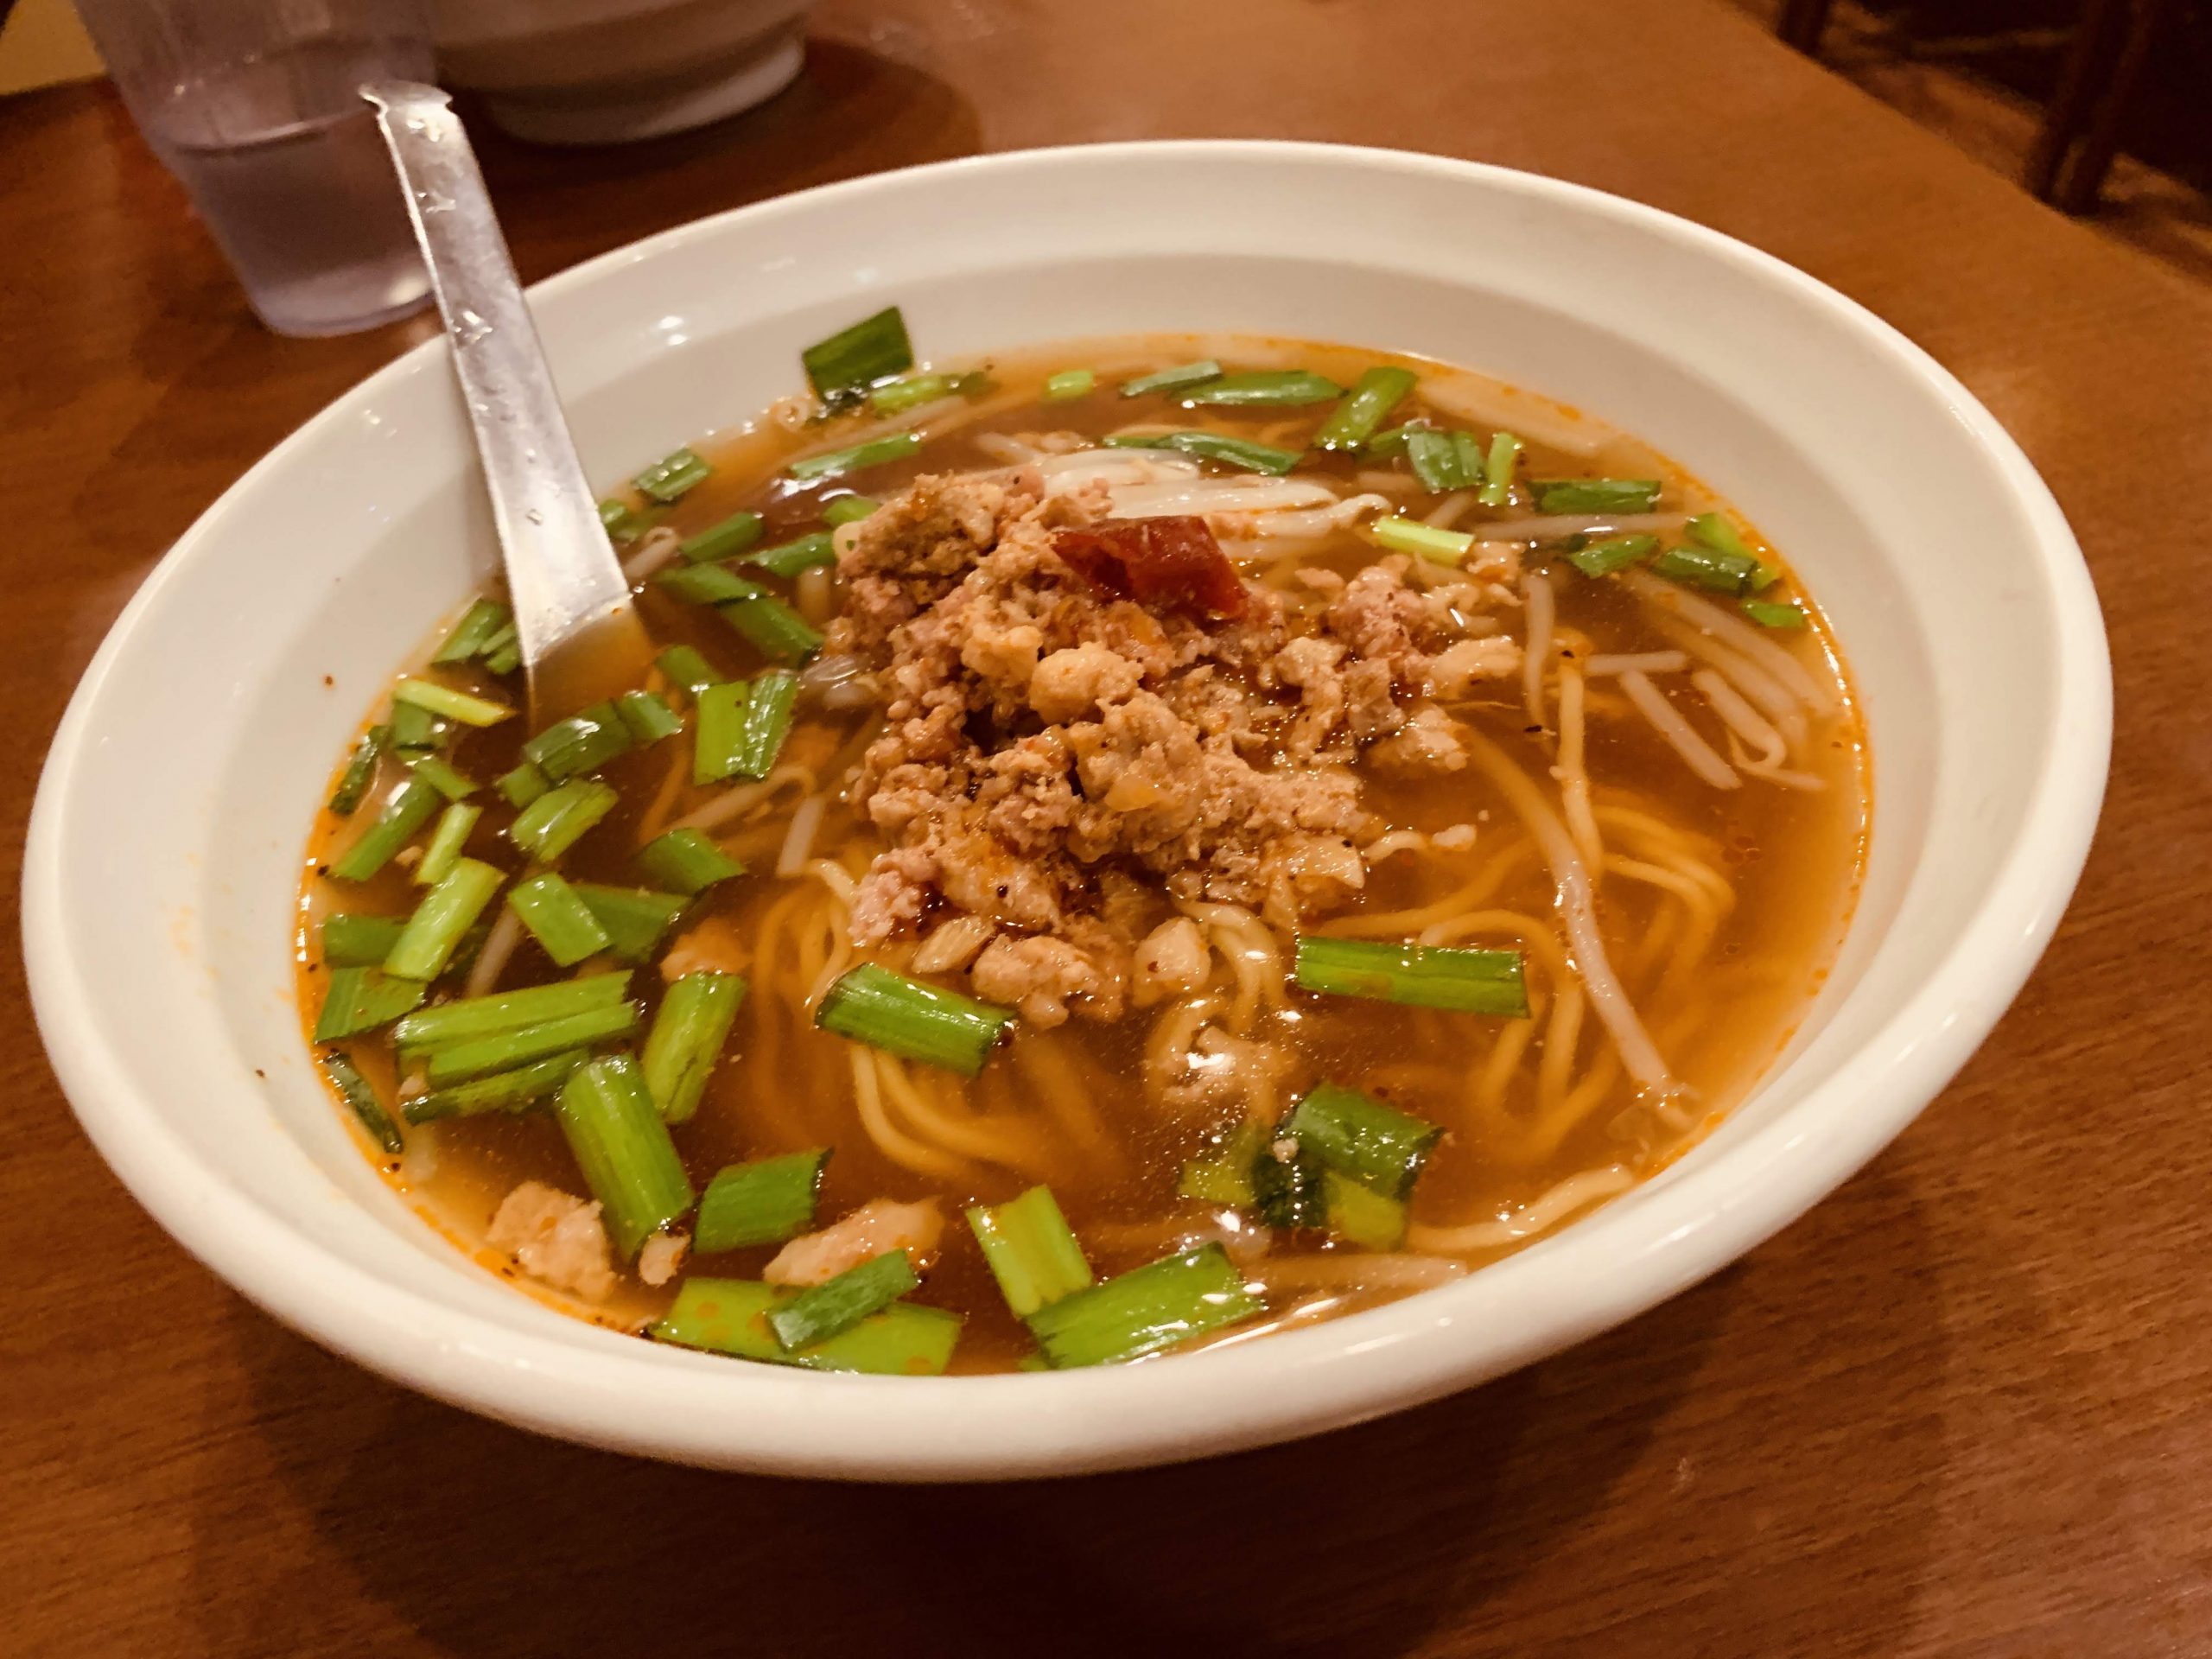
1056	753
555	1236
877	1227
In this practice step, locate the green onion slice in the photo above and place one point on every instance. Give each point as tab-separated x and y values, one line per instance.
1214	446
672	476
870	1004
1420	975
1265	388
1411	536
1144	1310
1069	384
872	349
835	1305
1183	374
1595	559
361	1099
876	452
1374	395
1596	495
686	862
362	999
730	1316
623	1149
688	1030
1361	1139
725	540
763	1202
1033	1252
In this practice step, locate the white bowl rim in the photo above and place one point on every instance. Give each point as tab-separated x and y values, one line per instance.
913	1428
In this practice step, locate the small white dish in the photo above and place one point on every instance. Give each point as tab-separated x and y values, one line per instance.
161	873
613	71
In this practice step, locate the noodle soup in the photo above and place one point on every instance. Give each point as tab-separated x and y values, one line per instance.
1125	847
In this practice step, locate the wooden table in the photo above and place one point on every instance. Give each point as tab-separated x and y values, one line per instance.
1964	1408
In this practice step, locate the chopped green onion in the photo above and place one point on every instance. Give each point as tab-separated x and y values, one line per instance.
1384	445
686	862
1596	495
358	941
1615	553
787	559
556	919
684	666
1707	567
557	820
896	396
1214	446
835	1305
870	1004
361	998
1421	976
416	731
718	733
726	540
635	918
623	1148
1374	395
1378	1146
478	626
688	1030
1223	1173
1444	460
1268	388
621	522
1714	530
406	810
502	1091
1183	374
777	632
894	446
767	722
447	843
1070	383
448	911
1362	1217
1033	1253
522	785
849	508
1287	1189
467	1019
584	742
1142	1311
649	717
708	584
1773	616
763	1202
355	1090
1411	536
502	1051
504	654
673	476
443	776
1497	469
354	782
729	1316
870	350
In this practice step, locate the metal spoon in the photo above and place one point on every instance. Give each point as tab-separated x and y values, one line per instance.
580	635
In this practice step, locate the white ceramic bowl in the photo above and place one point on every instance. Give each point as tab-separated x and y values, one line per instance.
159	880
608	71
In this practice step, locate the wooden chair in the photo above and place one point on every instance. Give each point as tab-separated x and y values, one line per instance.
2081	133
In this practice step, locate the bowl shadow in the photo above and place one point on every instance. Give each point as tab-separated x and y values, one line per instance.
1647	1492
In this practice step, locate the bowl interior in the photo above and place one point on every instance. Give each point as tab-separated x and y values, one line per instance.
162	881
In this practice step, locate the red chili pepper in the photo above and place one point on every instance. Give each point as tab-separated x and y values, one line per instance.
1171	563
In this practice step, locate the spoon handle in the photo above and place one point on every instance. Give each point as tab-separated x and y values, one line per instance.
562	572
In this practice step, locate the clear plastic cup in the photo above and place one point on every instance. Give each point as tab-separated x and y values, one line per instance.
256	106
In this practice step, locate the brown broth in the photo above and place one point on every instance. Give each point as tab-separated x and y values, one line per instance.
1791	859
